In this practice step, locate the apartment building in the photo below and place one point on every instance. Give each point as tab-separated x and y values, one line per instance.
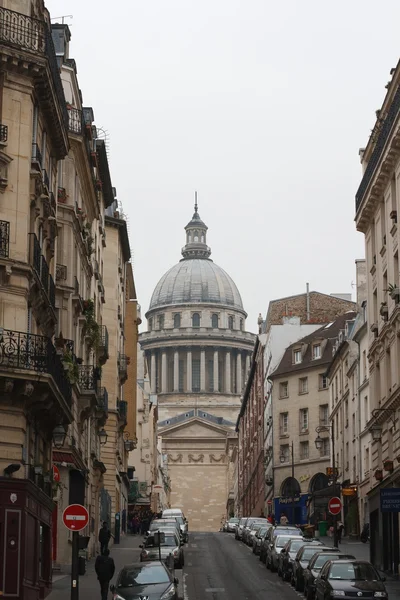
300	404
377	210
55	341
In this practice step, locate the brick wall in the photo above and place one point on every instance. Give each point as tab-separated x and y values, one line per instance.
323	308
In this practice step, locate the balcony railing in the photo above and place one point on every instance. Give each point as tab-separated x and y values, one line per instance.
61	272
37	155
88	378
41	269
102	401
30	352
122	366
96	268
4	239
75	120
122	408
377	152
27	33
46	180
103	346
53	203
3	133
76	286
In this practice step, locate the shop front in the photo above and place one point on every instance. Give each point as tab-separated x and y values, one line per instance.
291	502
384	507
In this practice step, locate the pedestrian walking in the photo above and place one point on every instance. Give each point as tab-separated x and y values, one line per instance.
283	520
105	569
104	537
340	528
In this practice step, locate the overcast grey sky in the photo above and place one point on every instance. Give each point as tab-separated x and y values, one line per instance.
261	106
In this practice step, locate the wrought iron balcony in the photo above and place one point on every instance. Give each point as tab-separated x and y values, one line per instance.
30	352
41	269
46	180
103	345
96	268
89	377
37	155
122	408
102	399
3	133
76	286
75	120
61	342
52	201
4	239
377	152
122	367
61	272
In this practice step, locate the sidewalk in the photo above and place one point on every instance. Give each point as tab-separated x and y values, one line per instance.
126	552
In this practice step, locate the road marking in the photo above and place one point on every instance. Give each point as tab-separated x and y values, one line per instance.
212	590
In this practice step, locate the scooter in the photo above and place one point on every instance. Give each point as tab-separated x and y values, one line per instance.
364	537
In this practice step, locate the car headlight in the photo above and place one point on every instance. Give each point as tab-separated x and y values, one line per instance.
175	552
169	593
144	553
336	593
380	595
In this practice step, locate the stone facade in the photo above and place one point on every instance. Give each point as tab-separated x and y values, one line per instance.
199	353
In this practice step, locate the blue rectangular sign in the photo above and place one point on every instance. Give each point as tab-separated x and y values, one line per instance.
390	500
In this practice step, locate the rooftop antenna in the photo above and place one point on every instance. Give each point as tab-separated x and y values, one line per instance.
195	202
62	18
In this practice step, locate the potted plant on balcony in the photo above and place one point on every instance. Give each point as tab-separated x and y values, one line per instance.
91	329
70	366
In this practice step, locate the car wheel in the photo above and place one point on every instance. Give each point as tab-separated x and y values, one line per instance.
310	594
298	586
284	576
280	572
272	567
254	550
292	582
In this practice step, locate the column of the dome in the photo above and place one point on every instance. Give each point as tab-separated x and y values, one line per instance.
176	370
164	375
239	373
228	372
216	371
189	371
247	365
202	370
153	375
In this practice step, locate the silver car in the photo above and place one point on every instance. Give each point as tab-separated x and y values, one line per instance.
232	524
250	530
239	530
275	549
171	545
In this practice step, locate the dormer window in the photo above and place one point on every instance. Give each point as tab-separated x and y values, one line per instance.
241	324
195	320
316	351
160	321
214	321
230	322
150	324
177	321
297	356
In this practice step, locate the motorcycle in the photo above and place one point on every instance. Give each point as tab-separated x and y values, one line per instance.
364	537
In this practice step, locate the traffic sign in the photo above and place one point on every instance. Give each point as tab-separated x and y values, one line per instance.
56	474
75	517
335	506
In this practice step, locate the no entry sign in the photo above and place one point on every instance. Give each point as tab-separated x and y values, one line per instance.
56	474
335	506
75	517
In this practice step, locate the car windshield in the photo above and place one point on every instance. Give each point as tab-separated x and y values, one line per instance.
233	521
143	575
309	553
170	540
354	572
321	560
261	531
296	545
180	520
292	532
281	541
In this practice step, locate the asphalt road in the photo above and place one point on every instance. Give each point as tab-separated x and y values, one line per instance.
217	567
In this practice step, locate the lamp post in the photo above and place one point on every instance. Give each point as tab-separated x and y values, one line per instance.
318	444
59	435
282	458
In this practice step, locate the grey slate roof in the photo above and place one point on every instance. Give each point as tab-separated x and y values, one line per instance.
196	281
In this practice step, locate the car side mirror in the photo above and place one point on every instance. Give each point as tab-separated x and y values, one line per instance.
112	588
140	545
176	580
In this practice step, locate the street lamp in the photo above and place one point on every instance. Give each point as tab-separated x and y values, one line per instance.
59	434
376	429
282	458
103	437
319	442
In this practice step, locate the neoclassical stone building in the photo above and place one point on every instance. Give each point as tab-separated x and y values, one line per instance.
199	353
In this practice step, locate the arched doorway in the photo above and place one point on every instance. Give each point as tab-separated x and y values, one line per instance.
319	494
289	500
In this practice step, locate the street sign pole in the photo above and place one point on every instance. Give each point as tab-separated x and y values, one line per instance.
75	566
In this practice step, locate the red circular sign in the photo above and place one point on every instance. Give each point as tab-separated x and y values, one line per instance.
56	474
75	517
335	506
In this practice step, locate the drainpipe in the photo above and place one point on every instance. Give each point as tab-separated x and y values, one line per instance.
308	301
360	460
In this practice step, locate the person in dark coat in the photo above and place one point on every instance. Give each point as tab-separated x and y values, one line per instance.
104	537
105	569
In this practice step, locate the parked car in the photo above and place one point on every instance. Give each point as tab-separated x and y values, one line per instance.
288	554
250	528
171	545
258	536
239	530
300	564
232	524
275	549
349	578
141	580
314	567
167	513
177	513
271	534
162	524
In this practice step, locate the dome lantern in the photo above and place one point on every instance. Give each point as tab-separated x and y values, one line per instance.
196	237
